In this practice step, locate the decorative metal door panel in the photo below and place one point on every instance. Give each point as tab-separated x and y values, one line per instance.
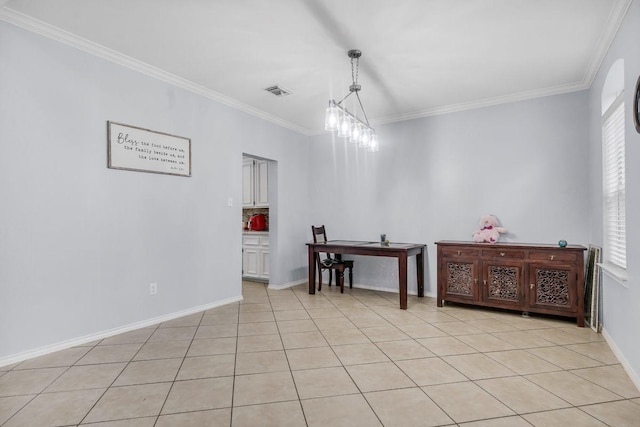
552	287
502	283
461	279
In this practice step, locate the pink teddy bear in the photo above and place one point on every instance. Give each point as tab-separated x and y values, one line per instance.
489	230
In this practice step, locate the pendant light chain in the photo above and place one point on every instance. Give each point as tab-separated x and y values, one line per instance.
354	75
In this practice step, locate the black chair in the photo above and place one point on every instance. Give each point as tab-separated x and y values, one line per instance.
331	263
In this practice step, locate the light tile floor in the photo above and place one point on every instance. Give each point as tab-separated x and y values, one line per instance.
287	358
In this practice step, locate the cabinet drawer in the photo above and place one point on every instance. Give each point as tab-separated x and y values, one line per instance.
462	252
502	254
553	256
251	240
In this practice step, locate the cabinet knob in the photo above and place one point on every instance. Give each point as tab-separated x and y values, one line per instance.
552	257
502	253
531	286
459	253
475	281
485	282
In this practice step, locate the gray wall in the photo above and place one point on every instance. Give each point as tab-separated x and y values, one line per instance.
80	243
621	316
433	179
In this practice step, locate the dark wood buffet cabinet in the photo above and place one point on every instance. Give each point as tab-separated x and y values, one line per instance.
516	276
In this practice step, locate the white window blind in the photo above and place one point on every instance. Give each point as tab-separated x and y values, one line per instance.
614	184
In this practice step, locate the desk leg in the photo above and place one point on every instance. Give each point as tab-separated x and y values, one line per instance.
402	278
420	270
312	271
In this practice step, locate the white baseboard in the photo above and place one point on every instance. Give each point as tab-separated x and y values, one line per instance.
355	285
287	285
633	375
393	290
41	351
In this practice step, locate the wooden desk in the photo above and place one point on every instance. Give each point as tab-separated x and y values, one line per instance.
402	251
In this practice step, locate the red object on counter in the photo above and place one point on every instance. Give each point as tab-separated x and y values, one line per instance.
257	222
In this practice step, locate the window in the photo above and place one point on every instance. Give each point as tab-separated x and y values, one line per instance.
613	160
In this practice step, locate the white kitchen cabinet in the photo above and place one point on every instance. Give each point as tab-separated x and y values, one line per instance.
247	182
255	255
255	183
261	182
264	261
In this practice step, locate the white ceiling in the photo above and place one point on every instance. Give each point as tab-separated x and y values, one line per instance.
419	57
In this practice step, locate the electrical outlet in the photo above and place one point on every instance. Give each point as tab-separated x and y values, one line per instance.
230	201
153	288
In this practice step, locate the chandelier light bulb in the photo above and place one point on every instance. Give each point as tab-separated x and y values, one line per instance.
344	127
365	140
331	117
356	132
373	143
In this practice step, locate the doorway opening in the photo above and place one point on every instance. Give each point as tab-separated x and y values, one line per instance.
259	219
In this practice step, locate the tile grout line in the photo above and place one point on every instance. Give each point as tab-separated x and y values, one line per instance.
117	376
166	398
389	358
284	350
341	362
523	376
235	360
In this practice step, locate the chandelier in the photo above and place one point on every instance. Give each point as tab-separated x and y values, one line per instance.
347	124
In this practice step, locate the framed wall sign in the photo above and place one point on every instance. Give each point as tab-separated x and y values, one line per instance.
143	150
636	106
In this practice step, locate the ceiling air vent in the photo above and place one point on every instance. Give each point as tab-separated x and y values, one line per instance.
278	90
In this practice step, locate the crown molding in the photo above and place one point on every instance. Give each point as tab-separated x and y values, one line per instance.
95	49
607	36
473	105
487	102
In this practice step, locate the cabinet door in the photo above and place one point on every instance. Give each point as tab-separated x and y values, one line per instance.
250	262
553	287
503	283
261	190
247	182
264	263
460	279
